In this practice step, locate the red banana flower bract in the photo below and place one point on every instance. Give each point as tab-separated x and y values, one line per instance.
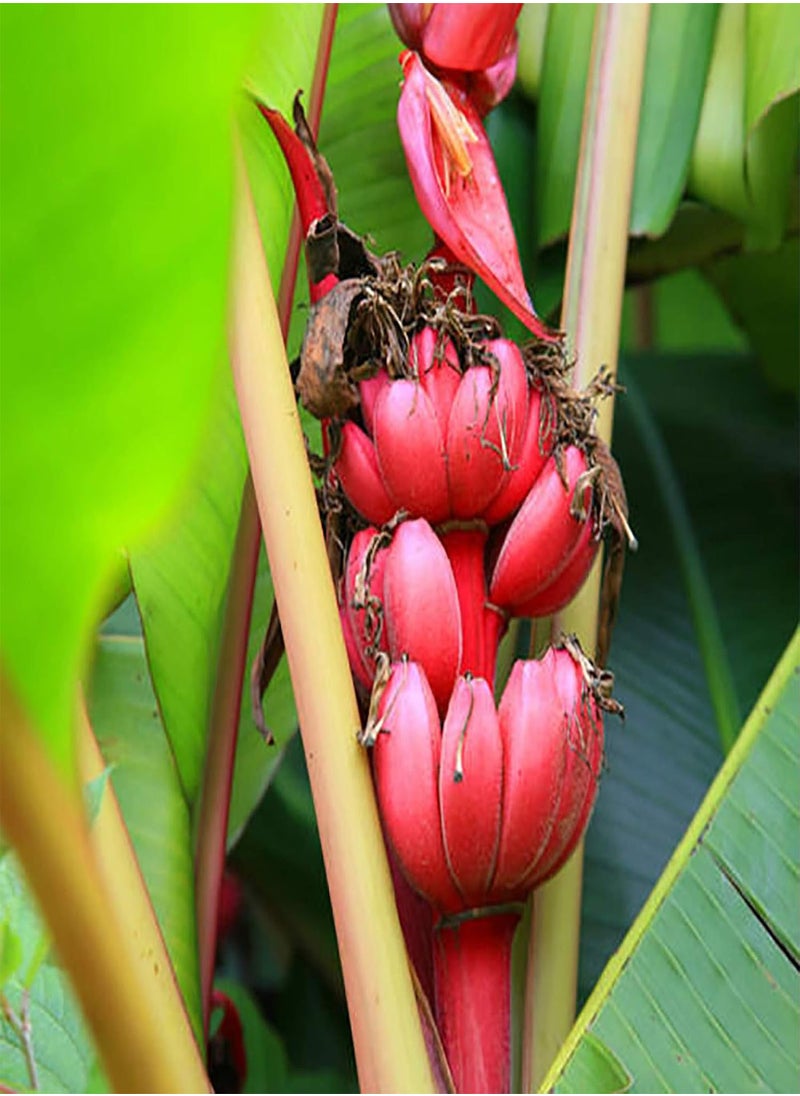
312	201
475	42
458	187
468	37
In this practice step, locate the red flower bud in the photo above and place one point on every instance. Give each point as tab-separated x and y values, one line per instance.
541	537
468	37
471	787
406	766
410	448
409	22
358	472
488	88
423	621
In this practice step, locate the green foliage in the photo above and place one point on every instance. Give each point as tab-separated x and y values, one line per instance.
145	776
727	565
687	1008
116	180
120	431
61	1046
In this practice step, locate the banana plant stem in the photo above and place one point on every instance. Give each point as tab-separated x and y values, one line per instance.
591	318
387	1037
98	912
212	817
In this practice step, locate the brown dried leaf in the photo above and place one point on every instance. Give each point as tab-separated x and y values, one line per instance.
323	385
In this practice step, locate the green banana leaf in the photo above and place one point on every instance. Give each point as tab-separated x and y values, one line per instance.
704	994
116	179
678	54
708	455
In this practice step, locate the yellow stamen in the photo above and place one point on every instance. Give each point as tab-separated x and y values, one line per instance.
452	129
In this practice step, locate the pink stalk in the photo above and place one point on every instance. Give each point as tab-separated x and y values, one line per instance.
473	999
495	622
214	803
465	550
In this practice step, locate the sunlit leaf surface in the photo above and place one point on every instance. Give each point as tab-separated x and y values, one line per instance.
116	180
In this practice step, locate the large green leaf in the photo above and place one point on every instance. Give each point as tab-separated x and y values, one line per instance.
678	54
704	994
181	577
144	773
62	1051
116	180
359	134
717	556
746	150
761	290
562	87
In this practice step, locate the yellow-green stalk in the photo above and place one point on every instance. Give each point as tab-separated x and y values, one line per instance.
591	318
389	1047
90	891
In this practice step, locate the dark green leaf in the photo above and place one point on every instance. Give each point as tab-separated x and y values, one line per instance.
731	444
705	994
681	312
761	291
280	854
